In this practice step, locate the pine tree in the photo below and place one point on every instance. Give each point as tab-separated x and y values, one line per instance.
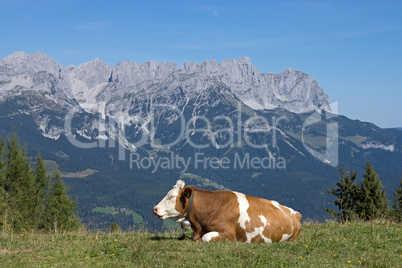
3	206
372	199
397	202
3	194
61	208
1	163
346	197
27	199
19	184
42	190
42	180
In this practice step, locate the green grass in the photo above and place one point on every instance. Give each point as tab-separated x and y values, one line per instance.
51	166
256	174
136	217
356	139
106	210
79	174
313	141
161	149
111	210
319	245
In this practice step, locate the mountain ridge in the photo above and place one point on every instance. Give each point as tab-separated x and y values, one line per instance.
290	89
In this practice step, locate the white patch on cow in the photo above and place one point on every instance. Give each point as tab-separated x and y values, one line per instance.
244	217
286	237
259	231
276	204
167	207
243	207
292	212
264	220
208	236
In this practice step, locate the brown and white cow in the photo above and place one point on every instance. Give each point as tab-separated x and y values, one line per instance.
217	215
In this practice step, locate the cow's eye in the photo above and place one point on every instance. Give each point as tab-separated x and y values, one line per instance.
172	196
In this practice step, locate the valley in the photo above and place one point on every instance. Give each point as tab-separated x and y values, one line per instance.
123	135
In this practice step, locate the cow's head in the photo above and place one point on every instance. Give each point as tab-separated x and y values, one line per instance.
174	205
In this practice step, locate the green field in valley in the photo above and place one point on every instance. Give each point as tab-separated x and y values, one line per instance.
113	211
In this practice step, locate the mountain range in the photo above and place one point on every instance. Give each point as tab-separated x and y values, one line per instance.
123	135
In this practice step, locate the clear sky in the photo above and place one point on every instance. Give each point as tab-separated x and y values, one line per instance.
352	48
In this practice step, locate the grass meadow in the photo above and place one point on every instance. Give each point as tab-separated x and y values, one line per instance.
367	244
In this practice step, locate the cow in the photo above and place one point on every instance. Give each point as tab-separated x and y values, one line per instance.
227	215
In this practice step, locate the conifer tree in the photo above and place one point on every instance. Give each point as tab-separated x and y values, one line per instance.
28	200
19	183
372	199
3	206
346	194
42	180
1	163
397	202
42	190
3	194
61	208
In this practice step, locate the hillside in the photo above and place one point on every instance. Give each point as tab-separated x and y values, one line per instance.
360	244
300	186
123	135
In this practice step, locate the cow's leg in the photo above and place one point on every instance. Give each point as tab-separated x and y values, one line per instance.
197	232
217	236
196	237
211	236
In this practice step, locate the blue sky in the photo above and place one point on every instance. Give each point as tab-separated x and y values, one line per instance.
352	48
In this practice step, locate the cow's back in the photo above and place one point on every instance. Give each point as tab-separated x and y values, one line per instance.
262	220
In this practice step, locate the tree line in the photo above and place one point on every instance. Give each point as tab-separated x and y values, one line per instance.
366	200
30	199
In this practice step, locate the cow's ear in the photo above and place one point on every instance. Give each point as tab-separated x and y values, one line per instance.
179	184
187	192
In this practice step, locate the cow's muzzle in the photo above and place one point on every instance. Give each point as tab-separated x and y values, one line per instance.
156	213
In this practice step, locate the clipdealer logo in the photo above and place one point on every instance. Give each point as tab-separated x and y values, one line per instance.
238	134
331	154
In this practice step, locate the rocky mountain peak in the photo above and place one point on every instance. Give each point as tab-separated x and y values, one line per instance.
22	63
96	80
